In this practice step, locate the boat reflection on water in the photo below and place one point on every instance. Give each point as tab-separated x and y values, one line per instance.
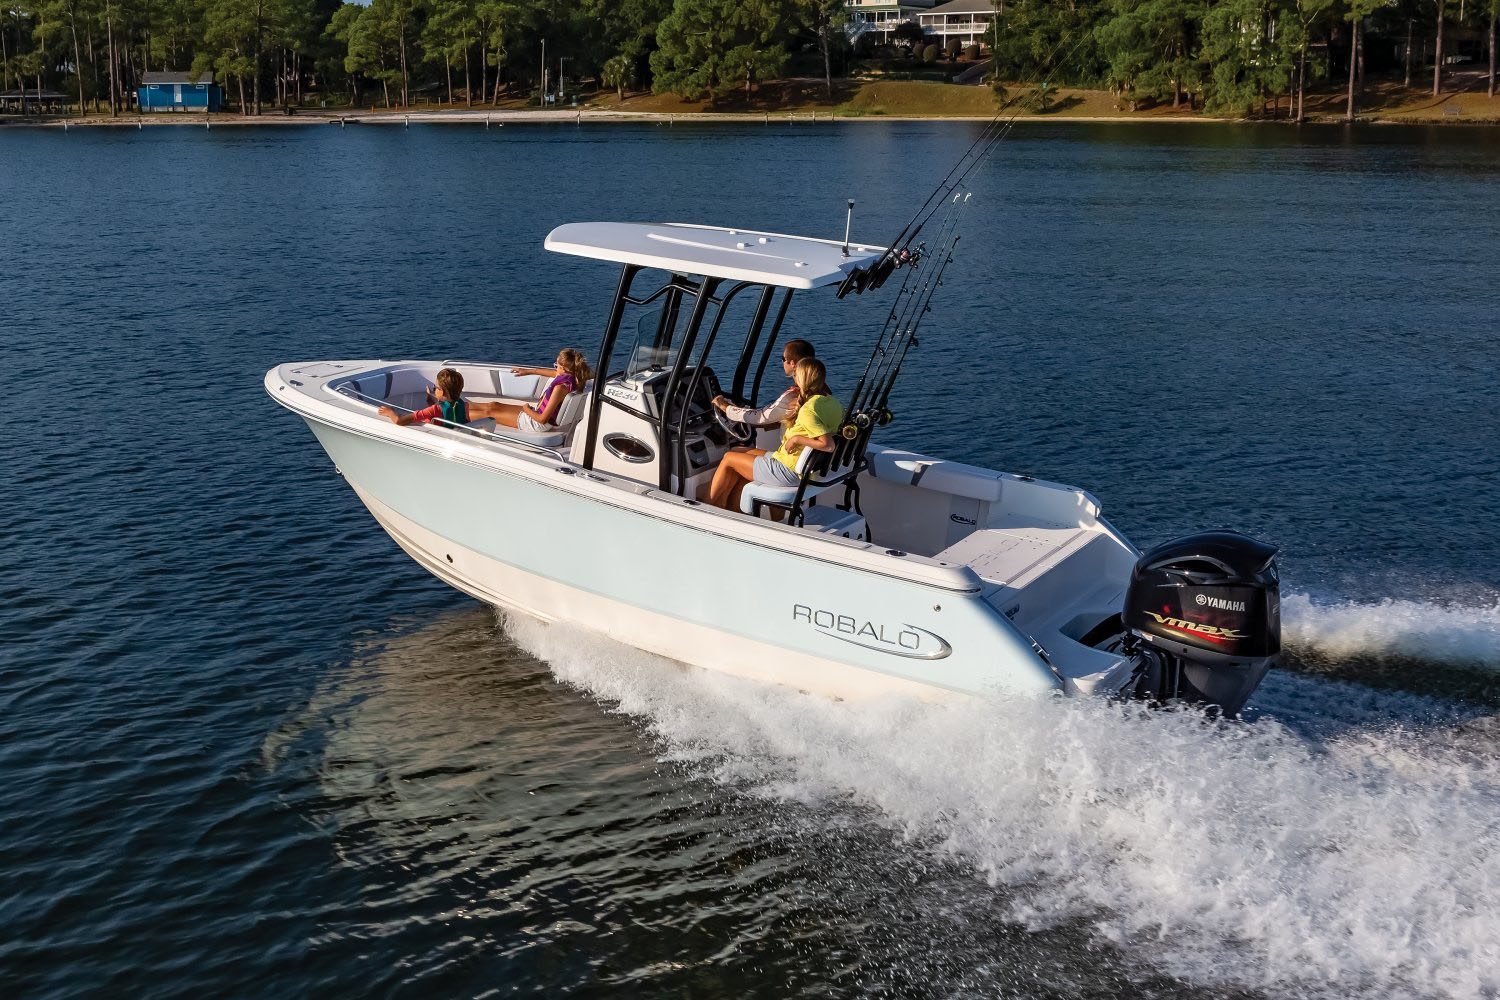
502	827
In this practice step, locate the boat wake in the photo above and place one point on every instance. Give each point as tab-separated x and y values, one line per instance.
1355	861
1431	632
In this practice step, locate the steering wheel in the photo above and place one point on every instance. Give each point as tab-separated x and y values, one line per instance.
738	430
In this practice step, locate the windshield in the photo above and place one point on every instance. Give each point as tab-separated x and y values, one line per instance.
652	348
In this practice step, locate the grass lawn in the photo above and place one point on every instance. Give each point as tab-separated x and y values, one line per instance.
1463	100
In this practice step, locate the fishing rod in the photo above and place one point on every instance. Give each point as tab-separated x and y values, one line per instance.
921	301
868	405
851	450
907	309
900	311
898	252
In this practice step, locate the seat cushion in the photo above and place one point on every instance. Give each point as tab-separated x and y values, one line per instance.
779	495
517	386
574	407
552	439
954	478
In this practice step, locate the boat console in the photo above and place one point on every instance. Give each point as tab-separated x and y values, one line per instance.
637	424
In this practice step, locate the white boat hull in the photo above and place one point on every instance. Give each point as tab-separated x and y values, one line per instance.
514	590
535	534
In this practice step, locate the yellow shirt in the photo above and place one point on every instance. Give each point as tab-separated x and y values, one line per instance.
819	415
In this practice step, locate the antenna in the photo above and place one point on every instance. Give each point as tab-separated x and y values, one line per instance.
848	224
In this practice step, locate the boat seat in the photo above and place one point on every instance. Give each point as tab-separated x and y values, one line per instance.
511	386
568	418
757	495
552	439
908	468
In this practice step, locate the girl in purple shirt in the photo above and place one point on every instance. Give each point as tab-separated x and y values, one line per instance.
571	375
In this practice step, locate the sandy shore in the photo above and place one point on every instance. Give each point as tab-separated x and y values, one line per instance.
493	118
534	117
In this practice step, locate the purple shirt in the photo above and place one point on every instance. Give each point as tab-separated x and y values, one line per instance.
562	379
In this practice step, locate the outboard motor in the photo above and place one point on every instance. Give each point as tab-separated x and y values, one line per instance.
1203	619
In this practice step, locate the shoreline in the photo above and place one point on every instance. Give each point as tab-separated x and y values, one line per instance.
604	115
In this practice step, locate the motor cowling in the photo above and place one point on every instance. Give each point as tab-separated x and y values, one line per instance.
1204	613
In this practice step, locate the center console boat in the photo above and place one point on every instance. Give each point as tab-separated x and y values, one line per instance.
886	570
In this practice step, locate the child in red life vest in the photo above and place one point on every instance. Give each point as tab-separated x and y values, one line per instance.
450	407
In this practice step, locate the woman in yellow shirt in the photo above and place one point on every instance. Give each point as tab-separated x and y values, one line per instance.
813	426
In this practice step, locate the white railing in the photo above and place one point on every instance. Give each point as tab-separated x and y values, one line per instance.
448	425
954	27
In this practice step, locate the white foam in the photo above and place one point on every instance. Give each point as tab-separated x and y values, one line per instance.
1237	855
1411	628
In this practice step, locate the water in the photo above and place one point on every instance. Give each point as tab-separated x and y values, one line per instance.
249	748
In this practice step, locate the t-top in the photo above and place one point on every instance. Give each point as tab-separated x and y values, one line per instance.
817	416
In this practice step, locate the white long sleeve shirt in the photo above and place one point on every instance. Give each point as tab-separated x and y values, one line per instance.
767	416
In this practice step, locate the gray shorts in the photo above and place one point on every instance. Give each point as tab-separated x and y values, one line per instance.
770	472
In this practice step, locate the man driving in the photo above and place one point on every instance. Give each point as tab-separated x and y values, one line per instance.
782	406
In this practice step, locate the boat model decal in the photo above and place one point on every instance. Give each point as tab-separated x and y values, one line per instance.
1197	628
899	640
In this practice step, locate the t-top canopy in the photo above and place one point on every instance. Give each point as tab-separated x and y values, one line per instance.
738	254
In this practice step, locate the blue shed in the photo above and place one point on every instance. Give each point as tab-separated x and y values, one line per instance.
179	92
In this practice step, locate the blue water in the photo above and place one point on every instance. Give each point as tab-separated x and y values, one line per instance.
248	747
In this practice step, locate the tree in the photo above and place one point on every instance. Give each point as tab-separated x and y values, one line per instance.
449	35
706	44
1034	39
1298	28
910	34
371	50
1356	14
494	19
1494	14
1247	54
1148	47
340	31
618	72
397	24
58	21
1437	57
234	39
827	18
620	37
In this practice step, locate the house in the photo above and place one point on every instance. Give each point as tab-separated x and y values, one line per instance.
179	92
882	16
964	20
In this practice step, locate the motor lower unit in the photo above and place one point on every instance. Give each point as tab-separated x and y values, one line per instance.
1203	619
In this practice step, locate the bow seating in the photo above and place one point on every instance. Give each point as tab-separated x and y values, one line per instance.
568	416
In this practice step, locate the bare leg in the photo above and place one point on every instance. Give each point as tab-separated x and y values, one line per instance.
735	470
502	413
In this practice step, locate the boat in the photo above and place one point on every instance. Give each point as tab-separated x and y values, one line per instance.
885	571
